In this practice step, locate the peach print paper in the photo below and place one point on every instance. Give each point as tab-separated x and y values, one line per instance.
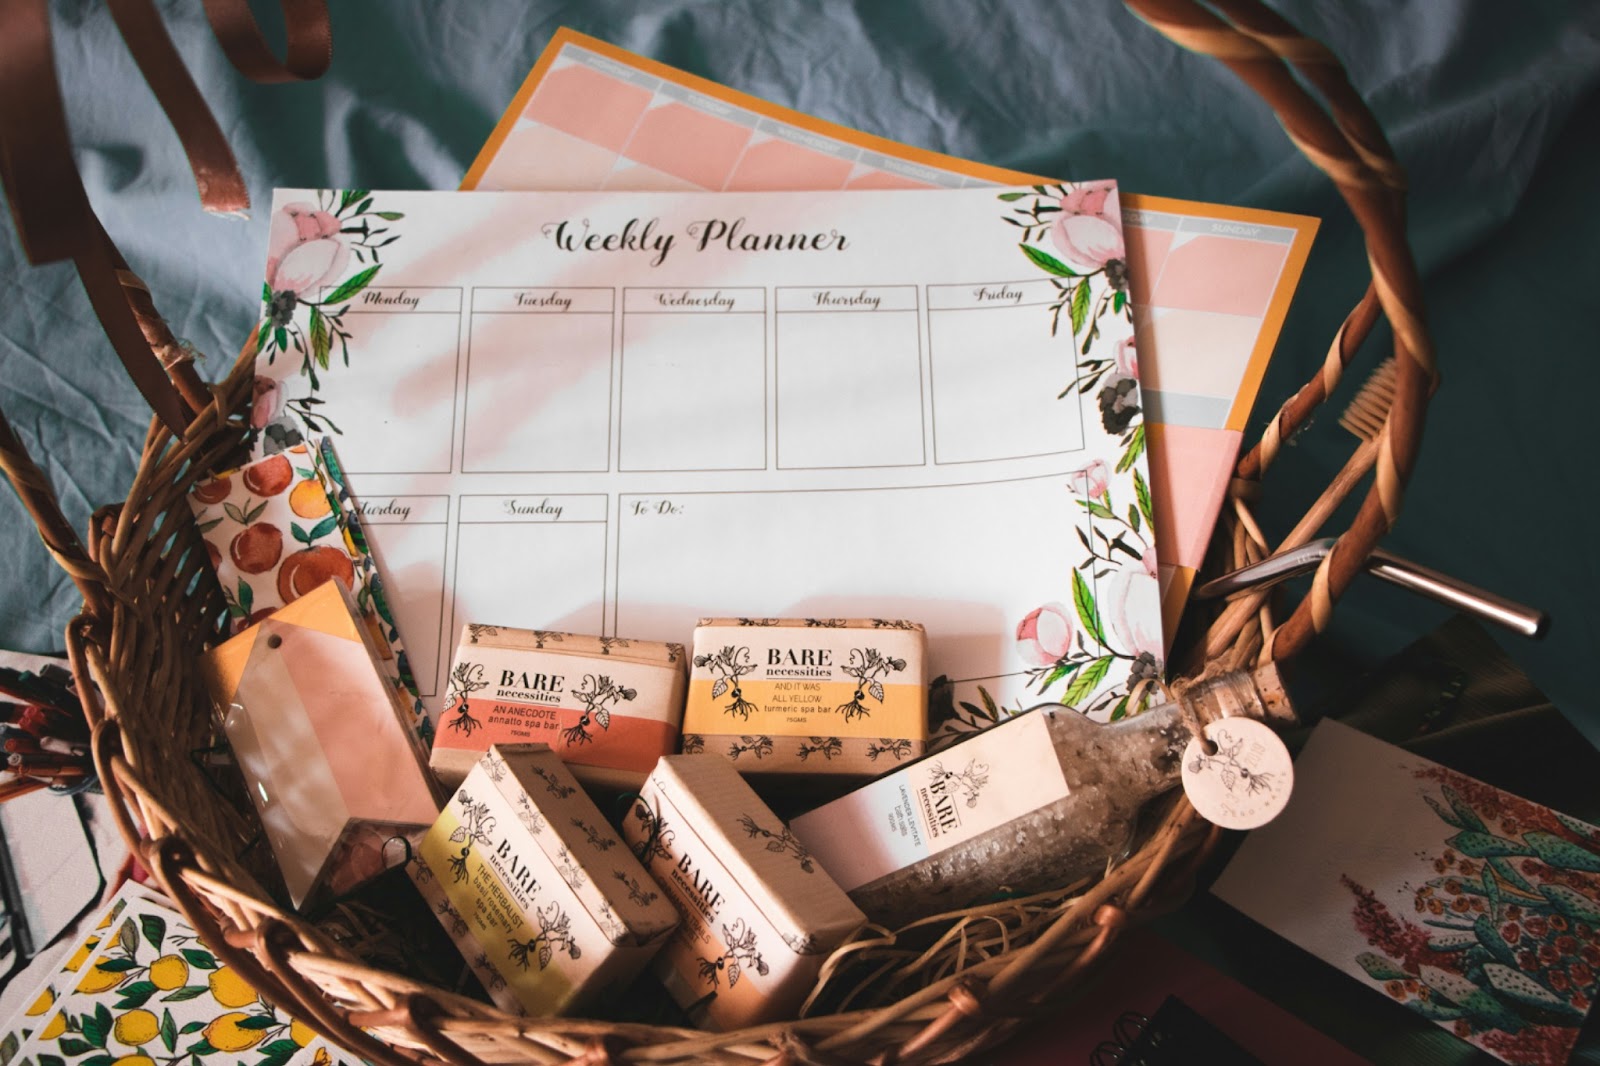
1210	284
277	528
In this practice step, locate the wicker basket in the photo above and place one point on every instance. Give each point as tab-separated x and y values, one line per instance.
151	607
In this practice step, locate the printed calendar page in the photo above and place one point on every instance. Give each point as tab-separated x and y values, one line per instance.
614	413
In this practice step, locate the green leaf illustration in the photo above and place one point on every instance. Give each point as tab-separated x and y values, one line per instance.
1133	518
262	334
233	512
135	994
1583	829
1572	903
1134	450
1444	812
155	929
207	527
280	337
1562	854
184	994
1491	940
74	1046
321	339
1119	301
1088	611
247	596
200	960
1061	670
1457	940
1087	681
390	216
200	1048
1463	809
258	1022
1141	490
1047	262
1100	510
192	1027
116	965
169	1030
300	534
1520	988
1012	197
52	1060
1483	845
324	527
251	514
1080	306
351	287
1508	873
351	196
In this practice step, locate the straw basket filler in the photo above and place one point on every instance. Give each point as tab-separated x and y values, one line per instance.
151	605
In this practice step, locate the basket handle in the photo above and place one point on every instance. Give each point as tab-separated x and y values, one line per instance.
1332	126
55	221
51	210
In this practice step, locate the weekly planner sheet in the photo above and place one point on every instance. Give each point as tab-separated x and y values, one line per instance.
1210	283
614	413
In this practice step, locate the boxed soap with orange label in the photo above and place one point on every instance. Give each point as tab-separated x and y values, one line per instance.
844	696
608	706
759	914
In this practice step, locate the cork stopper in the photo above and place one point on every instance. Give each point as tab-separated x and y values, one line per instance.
1258	694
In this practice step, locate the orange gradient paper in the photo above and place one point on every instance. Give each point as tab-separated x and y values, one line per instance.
1210	283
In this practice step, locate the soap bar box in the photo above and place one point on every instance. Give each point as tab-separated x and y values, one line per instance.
608	706
544	902
323	737
759	914
792	696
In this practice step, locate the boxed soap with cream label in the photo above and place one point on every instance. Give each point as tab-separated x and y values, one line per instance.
608	706
844	696
324	739
759	914
534	887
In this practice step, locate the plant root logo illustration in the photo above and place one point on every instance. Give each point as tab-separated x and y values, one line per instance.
895	747
657	842
555	934
760	747
741	955
466	679
827	747
782	841
969	780
598	695
1233	773
869	668
729	665
478	824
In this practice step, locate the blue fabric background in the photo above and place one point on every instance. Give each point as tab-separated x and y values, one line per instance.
1492	109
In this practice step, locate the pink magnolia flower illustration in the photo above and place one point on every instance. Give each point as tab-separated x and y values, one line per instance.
304	250
1045	635
1088	231
1127	359
1131	602
1091	480
266	402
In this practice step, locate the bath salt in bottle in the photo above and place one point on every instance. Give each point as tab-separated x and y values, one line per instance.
1047	797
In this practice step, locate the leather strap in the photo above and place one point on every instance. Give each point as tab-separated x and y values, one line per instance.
53	218
310	40
216	172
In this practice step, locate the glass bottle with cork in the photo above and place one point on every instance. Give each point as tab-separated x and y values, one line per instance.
1049	796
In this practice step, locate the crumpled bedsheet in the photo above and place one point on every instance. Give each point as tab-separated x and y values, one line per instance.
1493	111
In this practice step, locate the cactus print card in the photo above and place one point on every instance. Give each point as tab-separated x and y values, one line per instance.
1475	908
152	992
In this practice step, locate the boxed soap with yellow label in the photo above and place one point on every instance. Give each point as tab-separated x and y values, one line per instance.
846	696
759	914
608	706
534	887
